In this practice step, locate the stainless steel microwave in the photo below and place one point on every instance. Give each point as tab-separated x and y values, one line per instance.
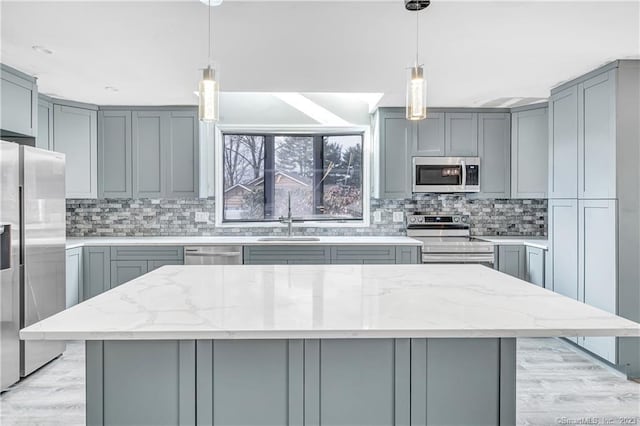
446	174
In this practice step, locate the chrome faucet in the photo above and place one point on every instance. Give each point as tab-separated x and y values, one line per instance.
289	219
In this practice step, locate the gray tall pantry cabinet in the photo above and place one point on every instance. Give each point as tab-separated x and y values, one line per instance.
594	206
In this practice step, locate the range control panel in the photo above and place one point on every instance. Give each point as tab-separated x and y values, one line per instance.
424	219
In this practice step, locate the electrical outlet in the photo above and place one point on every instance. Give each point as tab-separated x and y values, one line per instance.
377	216
202	217
398	217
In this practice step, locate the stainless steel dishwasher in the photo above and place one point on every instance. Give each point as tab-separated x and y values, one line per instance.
213	255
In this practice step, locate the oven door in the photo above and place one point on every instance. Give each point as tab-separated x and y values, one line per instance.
445	174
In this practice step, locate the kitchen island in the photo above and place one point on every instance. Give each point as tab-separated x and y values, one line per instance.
314	345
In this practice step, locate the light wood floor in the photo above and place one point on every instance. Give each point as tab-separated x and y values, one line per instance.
556	383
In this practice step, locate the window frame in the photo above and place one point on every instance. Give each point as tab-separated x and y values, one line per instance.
317	132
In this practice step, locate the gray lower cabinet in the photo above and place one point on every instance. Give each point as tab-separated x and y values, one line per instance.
563	144
342	254
396	136
165	153
494	149
75	134
529	153
96	270
511	260
461	134
73	276
597	271
18	102
126	270
44	138
115	165
535	270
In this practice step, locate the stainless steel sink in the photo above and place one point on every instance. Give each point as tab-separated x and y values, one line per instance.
285	239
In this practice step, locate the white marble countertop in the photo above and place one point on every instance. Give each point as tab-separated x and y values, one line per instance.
240	240
538	242
326	301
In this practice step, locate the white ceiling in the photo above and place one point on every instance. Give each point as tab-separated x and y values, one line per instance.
475	52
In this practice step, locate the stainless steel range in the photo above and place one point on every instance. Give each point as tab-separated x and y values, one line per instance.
447	239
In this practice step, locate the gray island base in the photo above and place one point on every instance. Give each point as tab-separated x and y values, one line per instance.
337	382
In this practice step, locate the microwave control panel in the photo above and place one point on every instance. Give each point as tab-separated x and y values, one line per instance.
473	175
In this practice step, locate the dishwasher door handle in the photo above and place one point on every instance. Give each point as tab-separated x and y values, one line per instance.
221	254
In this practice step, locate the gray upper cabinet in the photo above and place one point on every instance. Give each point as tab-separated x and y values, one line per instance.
115	155
529	153
563	144
150	131
461	134
430	136
597	272
597	137
494	147
182	155
165	153
44	138
396	136
75	134
18	102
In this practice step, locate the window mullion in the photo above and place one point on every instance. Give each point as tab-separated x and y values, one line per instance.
269	176
318	171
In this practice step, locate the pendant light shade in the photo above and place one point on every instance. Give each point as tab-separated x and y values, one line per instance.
416	94
209	93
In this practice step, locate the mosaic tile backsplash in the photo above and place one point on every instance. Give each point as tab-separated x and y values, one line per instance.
164	217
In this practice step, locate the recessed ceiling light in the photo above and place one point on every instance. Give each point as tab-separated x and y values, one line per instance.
110	89
42	49
213	2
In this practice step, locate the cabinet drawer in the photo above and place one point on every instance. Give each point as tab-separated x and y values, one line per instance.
147	253
286	254
363	254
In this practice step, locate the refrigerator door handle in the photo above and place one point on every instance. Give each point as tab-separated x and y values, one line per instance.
21	229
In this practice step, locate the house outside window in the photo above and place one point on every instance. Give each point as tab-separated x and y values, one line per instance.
322	173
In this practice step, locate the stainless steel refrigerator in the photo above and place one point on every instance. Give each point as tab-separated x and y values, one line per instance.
32	261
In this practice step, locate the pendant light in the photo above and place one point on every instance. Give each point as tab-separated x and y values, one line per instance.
209	87
416	83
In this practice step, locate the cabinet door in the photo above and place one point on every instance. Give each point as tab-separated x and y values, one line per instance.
182	169
150	130
276	255
530	153
155	264
73	276
430	136
461	134
535	266
114	147
96	268
75	134
494	146
511	261
597	271
597	137
18	103
563	246
397	135
44	139
563	144
126	270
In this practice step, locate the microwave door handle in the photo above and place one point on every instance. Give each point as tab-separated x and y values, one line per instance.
464	174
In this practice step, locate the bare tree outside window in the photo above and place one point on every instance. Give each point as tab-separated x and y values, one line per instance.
323	174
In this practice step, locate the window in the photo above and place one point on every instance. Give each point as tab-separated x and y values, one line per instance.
321	174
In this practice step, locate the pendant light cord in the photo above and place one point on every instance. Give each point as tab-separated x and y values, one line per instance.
209	38
417	36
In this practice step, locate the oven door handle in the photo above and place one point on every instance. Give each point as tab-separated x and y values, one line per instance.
464	173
